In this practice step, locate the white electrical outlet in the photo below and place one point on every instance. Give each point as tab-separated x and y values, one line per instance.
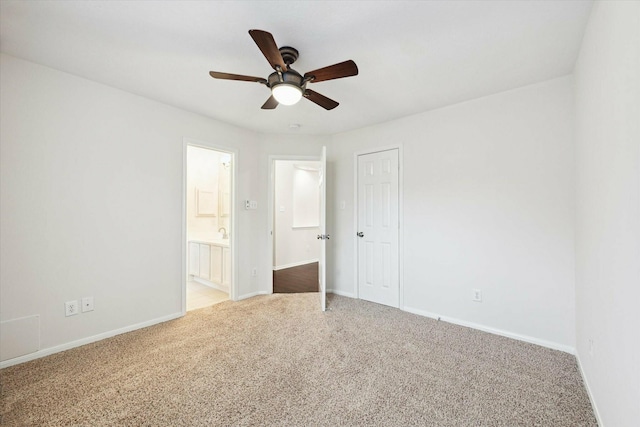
71	308
87	304
477	295
254	272
253	204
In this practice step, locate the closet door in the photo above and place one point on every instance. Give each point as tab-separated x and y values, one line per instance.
377	234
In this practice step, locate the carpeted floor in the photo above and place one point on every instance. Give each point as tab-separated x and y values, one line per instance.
358	364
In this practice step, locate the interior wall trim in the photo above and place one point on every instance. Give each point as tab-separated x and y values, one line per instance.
341	293
495	331
589	393
253	294
88	340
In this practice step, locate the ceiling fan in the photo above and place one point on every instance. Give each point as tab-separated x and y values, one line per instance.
286	84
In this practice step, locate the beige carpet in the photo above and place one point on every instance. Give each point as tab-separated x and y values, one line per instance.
277	361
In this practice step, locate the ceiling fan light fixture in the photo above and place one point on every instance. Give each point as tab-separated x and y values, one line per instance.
286	84
286	93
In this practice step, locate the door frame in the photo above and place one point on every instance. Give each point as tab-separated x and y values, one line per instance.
233	235
271	204
400	218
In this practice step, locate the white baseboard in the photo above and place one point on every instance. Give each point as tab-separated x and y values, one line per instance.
253	294
77	343
329	291
586	385
525	338
294	264
341	293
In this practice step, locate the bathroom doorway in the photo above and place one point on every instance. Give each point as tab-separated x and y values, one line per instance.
208	226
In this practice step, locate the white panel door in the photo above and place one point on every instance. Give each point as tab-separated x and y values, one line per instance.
323	236
378	256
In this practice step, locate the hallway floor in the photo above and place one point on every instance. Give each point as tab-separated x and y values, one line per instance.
303	278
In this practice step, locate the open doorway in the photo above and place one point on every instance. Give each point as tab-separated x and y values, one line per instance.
208	226
296	225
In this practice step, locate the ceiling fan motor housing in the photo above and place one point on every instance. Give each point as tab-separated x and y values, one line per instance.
289	54
291	77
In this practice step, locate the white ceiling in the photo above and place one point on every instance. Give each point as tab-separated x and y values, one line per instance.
412	56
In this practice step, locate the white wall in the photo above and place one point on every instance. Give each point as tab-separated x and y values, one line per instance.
293	245
608	210
488	204
91	202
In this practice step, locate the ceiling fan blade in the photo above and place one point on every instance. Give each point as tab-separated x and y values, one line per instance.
269	48
270	104
321	100
228	76
336	71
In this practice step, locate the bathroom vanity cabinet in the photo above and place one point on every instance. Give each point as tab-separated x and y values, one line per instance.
210	263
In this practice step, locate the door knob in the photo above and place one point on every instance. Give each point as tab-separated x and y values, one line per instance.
360	234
